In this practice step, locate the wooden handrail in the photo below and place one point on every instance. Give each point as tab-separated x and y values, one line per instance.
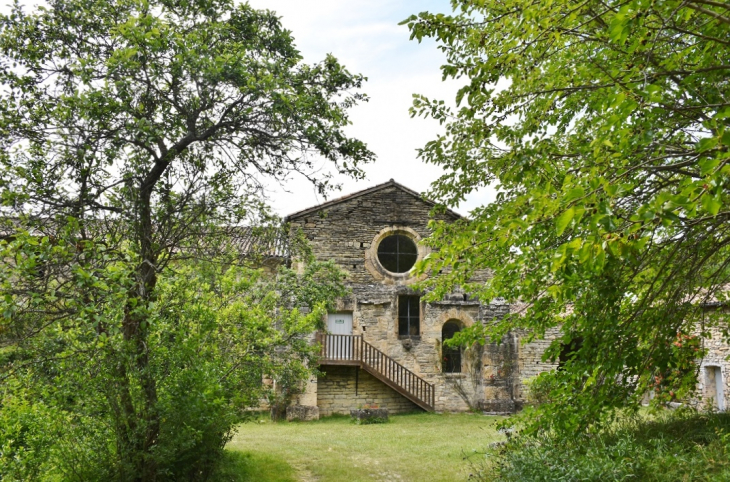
353	349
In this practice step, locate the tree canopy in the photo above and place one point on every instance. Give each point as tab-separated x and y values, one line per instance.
604	127
134	137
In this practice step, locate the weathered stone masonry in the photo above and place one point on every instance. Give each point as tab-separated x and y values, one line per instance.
348	231
343	388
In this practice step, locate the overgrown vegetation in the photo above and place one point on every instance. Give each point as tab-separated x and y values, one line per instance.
134	137
673	446
605	128
215	336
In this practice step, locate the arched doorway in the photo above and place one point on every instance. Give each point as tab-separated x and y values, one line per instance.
450	357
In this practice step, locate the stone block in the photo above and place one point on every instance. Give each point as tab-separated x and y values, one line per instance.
369	415
303	413
503	406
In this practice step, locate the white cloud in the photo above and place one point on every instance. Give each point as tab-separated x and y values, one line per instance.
365	36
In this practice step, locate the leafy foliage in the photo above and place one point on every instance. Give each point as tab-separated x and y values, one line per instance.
213	337
605	128
134	136
673	446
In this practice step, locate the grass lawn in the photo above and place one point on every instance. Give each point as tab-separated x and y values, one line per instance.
417	447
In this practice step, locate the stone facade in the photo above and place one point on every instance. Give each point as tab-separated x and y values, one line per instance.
529	360
349	231
342	389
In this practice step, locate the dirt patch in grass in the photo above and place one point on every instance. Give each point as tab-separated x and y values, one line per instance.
418	447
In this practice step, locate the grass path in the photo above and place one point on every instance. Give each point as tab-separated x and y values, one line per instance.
411	448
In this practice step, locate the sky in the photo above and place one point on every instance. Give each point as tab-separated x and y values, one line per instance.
365	36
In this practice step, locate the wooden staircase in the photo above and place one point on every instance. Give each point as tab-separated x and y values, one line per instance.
353	350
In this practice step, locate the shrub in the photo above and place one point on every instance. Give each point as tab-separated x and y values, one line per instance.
213	339
680	445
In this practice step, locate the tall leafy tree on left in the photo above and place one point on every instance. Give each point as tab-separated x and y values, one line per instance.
134	139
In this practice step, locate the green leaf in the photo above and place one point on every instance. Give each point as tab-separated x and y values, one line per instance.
706	144
711	204
575	244
585	253
573	194
723	113
708	164
725	139
564	220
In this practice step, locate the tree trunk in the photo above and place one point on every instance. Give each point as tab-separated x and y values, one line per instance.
135	330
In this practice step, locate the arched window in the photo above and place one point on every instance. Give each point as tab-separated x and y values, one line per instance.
451	357
397	253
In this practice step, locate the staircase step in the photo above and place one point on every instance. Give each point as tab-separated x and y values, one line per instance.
354	350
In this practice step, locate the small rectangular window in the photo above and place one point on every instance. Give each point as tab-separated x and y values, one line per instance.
409	315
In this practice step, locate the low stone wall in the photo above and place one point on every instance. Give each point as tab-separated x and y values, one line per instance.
336	392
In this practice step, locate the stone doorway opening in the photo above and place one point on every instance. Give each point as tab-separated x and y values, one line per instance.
714	391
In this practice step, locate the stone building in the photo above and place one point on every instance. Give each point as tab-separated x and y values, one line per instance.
384	343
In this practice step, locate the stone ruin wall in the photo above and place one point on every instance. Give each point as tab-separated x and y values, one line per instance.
343	388
718	352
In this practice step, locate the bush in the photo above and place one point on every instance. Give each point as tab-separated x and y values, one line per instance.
681	445
539	388
214	338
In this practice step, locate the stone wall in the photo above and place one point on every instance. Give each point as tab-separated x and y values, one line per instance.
717	355
348	233
422	355
340	391
530	362
345	231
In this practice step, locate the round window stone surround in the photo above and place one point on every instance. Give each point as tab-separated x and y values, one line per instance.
373	265
397	253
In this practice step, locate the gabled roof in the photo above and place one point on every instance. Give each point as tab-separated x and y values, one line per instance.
365	192
269	241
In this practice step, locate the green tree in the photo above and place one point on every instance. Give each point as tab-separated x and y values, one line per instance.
132	134
604	127
215	333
